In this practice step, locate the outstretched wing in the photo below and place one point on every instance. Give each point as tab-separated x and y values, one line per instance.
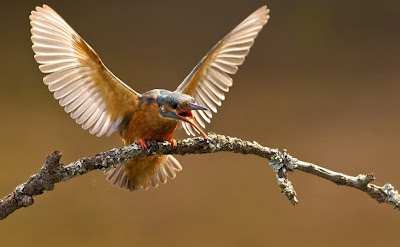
210	79
94	97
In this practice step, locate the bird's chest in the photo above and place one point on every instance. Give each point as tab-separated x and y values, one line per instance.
147	123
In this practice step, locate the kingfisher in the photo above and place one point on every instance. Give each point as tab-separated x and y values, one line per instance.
103	104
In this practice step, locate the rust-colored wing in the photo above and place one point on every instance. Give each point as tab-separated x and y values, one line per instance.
210	79
94	97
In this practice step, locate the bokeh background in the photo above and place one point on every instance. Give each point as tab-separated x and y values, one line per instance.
322	81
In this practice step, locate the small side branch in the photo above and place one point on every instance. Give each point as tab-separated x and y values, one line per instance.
282	163
362	182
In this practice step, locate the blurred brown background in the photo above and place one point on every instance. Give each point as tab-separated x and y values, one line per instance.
322	80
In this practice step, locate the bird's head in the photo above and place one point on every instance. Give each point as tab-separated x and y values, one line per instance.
179	106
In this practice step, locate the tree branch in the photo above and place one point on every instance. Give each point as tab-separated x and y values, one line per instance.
53	171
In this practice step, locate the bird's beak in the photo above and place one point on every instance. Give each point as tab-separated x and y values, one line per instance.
187	116
195	107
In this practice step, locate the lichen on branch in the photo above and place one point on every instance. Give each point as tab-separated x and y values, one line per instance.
282	163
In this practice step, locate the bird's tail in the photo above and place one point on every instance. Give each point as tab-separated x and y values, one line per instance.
144	172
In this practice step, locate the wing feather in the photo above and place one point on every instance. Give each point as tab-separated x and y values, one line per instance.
210	79
84	86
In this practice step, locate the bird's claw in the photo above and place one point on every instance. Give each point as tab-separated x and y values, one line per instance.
143	144
173	143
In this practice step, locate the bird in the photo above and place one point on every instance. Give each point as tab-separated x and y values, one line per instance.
103	104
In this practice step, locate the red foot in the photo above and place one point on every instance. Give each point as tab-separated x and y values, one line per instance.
173	143
142	143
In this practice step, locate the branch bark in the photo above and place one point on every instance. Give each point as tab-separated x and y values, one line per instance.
282	163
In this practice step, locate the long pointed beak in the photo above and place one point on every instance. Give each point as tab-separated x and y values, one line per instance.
195	107
196	125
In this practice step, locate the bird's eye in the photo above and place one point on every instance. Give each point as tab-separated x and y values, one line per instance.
174	105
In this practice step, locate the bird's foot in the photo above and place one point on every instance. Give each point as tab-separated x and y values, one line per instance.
142	143
173	143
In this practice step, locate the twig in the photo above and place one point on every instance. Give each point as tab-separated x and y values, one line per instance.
53	171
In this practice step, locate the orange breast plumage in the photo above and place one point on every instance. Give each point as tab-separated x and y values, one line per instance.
146	123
